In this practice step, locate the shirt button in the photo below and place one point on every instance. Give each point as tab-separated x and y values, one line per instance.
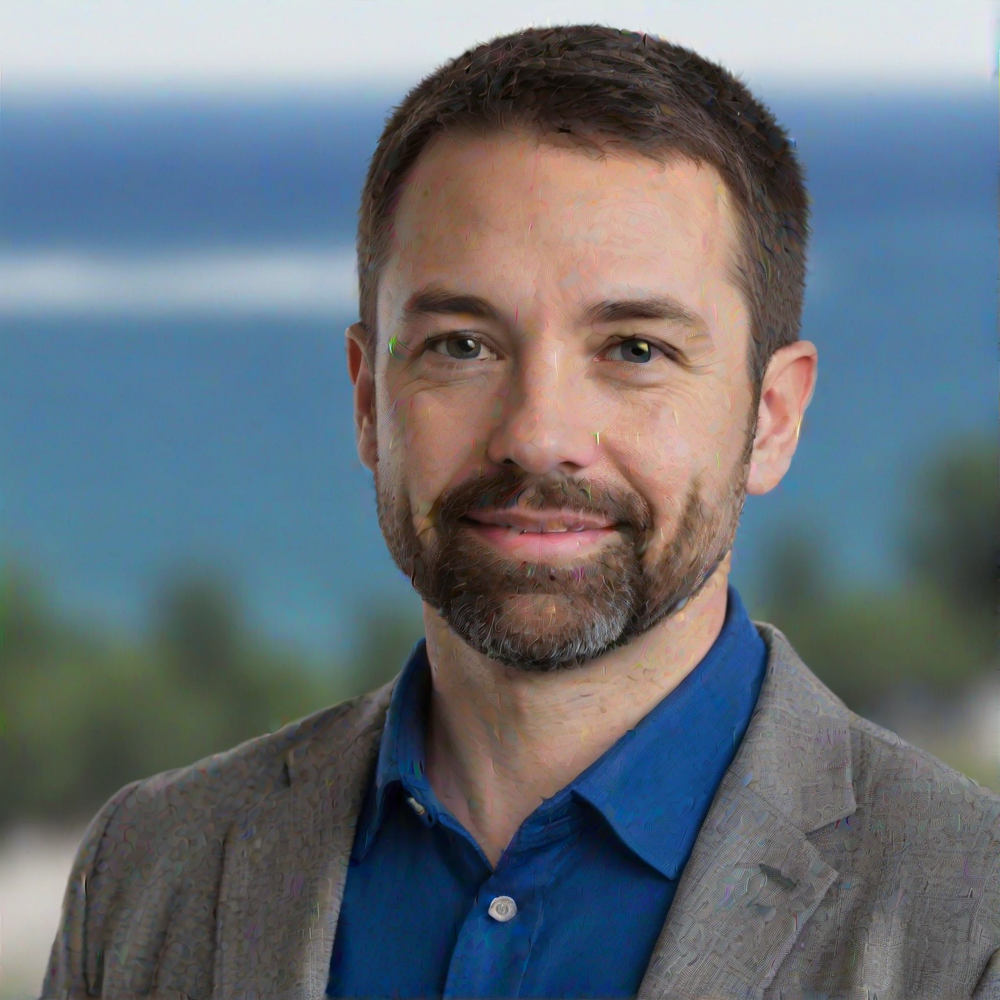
503	908
416	806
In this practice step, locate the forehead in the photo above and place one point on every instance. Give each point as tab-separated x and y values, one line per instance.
517	210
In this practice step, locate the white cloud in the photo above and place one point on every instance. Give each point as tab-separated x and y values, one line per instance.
293	282
391	43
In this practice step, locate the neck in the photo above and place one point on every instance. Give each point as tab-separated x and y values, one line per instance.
500	740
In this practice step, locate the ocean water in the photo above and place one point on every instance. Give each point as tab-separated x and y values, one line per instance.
175	280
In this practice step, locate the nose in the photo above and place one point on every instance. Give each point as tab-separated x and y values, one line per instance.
543	420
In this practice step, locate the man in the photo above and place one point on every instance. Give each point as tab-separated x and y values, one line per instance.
581	259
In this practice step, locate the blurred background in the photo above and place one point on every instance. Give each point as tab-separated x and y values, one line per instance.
189	552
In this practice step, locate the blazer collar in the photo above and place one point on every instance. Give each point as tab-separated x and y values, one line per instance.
753	878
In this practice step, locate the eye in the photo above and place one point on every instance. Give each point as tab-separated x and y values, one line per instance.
635	350
459	347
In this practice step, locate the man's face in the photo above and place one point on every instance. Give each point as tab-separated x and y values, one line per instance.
622	430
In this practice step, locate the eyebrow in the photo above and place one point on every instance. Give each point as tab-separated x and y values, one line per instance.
438	300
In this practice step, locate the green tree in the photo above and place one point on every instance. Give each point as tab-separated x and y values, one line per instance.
198	628
85	710
951	534
385	638
936	630
796	573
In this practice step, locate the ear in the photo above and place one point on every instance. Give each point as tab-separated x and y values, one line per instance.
356	341
786	391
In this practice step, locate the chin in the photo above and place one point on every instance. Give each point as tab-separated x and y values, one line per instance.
538	632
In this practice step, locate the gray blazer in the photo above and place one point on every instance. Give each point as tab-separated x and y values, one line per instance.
836	860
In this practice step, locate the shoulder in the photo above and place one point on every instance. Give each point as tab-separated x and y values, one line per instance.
919	859
884	813
212	793
169	830
913	844
897	781
905	785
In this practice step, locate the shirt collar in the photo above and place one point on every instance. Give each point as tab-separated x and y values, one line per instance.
653	786
401	749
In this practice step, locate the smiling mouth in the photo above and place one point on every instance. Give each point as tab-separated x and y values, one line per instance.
540	530
521	522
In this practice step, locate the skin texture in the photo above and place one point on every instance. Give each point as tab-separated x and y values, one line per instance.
542	659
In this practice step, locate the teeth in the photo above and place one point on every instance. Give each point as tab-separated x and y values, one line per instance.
514	530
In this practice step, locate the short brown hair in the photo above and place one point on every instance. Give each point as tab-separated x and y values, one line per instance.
586	84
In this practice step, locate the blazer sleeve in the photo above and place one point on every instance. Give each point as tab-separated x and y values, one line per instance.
66	974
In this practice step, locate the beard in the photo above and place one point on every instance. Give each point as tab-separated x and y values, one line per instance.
539	617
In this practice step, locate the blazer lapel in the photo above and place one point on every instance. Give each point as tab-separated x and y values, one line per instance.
285	864
753	878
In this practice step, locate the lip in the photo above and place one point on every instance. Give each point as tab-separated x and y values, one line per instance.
554	522
541	546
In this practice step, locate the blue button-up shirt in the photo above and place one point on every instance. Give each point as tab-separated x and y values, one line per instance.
592	871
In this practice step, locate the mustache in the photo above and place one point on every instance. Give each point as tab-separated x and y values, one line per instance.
512	487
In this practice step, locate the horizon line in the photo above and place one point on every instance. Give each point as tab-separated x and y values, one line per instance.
386	87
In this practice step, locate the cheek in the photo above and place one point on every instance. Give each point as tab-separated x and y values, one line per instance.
429	445
656	445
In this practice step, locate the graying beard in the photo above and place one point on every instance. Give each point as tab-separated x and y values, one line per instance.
479	630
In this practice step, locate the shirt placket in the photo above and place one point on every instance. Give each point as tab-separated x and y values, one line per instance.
493	948
494	943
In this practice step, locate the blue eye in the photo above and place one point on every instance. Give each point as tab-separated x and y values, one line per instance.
636	350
